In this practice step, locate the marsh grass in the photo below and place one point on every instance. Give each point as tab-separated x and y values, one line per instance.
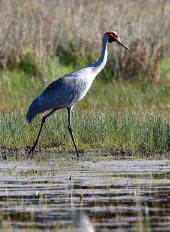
118	125
44	40
35	30
18	89
128	132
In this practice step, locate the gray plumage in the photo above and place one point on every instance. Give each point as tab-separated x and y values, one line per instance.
62	93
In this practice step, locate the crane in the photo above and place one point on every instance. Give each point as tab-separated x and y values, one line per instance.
69	89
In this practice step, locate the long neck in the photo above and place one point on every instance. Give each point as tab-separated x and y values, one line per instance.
99	65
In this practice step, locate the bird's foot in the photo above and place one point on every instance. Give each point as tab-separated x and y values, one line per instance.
78	155
31	152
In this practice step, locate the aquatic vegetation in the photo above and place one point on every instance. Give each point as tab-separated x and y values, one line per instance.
127	132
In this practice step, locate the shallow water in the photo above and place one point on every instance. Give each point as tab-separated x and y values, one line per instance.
57	194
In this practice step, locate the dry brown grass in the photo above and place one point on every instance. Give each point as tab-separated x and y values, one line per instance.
72	30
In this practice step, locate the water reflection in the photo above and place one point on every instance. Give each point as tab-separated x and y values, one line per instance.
82	222
85	196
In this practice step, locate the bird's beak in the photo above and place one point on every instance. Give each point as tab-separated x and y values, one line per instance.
119	42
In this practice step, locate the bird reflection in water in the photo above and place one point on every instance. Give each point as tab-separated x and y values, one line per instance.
82	222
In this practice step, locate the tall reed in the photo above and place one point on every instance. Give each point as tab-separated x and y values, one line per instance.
72	30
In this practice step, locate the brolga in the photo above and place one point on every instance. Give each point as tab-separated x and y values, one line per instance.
66	91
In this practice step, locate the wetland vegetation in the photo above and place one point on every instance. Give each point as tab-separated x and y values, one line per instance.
124	116
127	107
125	133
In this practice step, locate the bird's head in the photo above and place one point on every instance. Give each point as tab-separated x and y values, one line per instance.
113	37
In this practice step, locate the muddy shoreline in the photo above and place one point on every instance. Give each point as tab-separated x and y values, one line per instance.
115	153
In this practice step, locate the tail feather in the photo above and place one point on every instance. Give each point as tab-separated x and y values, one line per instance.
33	110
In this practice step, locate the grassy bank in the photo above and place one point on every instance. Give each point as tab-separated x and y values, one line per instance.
127	107
129	132
115	116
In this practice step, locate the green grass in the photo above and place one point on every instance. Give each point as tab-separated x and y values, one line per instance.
18	89
130	116
142	133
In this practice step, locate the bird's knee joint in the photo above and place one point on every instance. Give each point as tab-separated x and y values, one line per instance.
43	119
69	128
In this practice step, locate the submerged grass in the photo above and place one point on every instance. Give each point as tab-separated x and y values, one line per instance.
128	132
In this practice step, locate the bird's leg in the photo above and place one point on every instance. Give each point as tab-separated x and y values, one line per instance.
31	151
71	131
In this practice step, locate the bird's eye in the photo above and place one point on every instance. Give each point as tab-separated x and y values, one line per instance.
114	35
